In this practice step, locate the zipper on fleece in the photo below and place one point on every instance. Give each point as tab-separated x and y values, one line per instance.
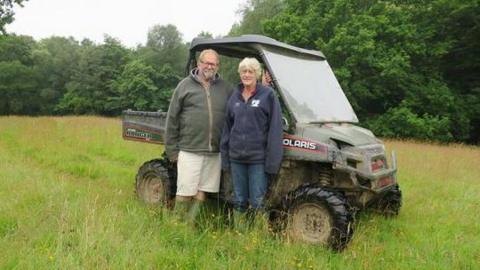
210	118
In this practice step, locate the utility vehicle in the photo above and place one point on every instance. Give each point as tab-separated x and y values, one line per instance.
331	168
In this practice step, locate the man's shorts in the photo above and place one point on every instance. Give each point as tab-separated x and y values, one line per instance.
197	172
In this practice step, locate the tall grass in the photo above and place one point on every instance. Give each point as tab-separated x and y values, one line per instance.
67	202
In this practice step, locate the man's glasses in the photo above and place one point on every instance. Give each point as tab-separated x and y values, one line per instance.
210	64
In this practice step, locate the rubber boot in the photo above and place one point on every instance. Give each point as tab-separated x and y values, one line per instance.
240	221
194	211
181	209
205	212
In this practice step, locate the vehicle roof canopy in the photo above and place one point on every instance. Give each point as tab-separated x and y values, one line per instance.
304	80
247	45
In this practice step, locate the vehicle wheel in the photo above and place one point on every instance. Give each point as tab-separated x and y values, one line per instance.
390	203
319	216
155	183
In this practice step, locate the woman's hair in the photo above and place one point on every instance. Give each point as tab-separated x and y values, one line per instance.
252	64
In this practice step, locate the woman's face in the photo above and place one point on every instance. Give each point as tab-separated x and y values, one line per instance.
248	77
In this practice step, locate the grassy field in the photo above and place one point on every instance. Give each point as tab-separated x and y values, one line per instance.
67	202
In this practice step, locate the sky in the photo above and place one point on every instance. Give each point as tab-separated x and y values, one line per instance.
128	21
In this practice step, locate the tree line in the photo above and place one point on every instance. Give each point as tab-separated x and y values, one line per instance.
59	75
409	68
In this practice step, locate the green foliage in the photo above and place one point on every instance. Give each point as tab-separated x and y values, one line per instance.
390	57
393	56
17	89
90	86
140	87
205	34
401	122
253	13
18	79
456	23
60	75
6	12
164	46
55	61
16	48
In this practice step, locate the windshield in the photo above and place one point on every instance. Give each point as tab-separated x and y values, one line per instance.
310	89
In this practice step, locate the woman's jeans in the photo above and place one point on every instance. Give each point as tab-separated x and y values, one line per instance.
249	185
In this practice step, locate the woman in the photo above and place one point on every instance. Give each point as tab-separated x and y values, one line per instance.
251	144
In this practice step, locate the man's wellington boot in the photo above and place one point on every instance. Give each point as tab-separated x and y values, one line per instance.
194	211
181	209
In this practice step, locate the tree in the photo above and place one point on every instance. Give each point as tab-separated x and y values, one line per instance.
456	23
140	87
91	84
6	12
16	48
17	89
164	47
401	122
55	60
254	13
390	56
18	79
205	34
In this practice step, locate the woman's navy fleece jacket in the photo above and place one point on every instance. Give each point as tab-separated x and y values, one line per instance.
253	130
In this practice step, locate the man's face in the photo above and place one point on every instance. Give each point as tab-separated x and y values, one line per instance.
208	66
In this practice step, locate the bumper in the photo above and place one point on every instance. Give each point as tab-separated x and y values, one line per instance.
377	182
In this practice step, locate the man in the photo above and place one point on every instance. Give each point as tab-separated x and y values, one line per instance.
194	124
